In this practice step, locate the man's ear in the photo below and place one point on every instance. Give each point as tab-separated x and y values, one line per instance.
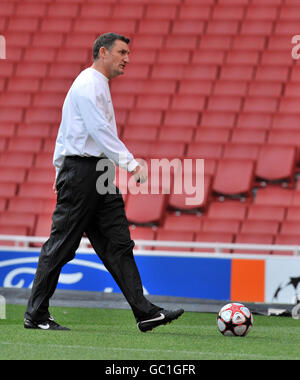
102	52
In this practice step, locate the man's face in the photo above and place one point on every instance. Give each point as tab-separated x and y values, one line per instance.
116	59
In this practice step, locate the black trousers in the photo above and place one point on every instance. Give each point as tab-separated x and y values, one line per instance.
81	209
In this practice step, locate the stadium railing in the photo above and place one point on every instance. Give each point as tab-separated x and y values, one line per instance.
145	247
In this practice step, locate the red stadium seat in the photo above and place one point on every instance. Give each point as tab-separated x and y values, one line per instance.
36	190
286	239
224	27
260	104
249	42
191	198
23	24
145	117
195	87
254	238
128	11
12	219
257	27
140	132
154	26
177	41
7	129
183	222
212	135
12	175
158	102
227	210
266	212
228	104
11	114
7	189
272	73
234	177
276	163
293	213
228	12
28	205
43	176
32	70
64	10
286	121
237	72
11	99
213	237
31	9
188	27
163	11
268	89
47	39
274	196
176	134
261	12
166	149
146	208
205	150
28	85
181	118
215	42
25	144
249	136
242	57
231	88
179	236
218	119
254	120
171	56
43	115
91	10
260	226
290	227
142	233
221	225
188	102
16	159
208	57
43	226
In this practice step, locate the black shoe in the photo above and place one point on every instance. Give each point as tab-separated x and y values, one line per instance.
162	317
50	324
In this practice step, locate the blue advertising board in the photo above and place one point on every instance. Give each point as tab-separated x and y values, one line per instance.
196	277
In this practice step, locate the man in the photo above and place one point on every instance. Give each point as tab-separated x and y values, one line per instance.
87	134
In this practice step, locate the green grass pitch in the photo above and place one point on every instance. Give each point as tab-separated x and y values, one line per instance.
103	334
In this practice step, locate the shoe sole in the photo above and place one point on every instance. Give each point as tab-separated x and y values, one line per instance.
163	323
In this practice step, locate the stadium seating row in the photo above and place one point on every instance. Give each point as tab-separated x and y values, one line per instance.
230	96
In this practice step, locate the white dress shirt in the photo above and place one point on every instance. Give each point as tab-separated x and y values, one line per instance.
88	127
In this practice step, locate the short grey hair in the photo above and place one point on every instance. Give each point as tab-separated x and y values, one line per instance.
107	40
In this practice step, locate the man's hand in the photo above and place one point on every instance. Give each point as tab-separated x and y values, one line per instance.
54	187
140	174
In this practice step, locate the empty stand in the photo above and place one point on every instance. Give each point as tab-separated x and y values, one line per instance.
207	79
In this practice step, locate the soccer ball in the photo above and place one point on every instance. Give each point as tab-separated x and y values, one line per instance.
234	319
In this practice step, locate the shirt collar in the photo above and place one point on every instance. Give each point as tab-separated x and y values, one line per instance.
100	75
